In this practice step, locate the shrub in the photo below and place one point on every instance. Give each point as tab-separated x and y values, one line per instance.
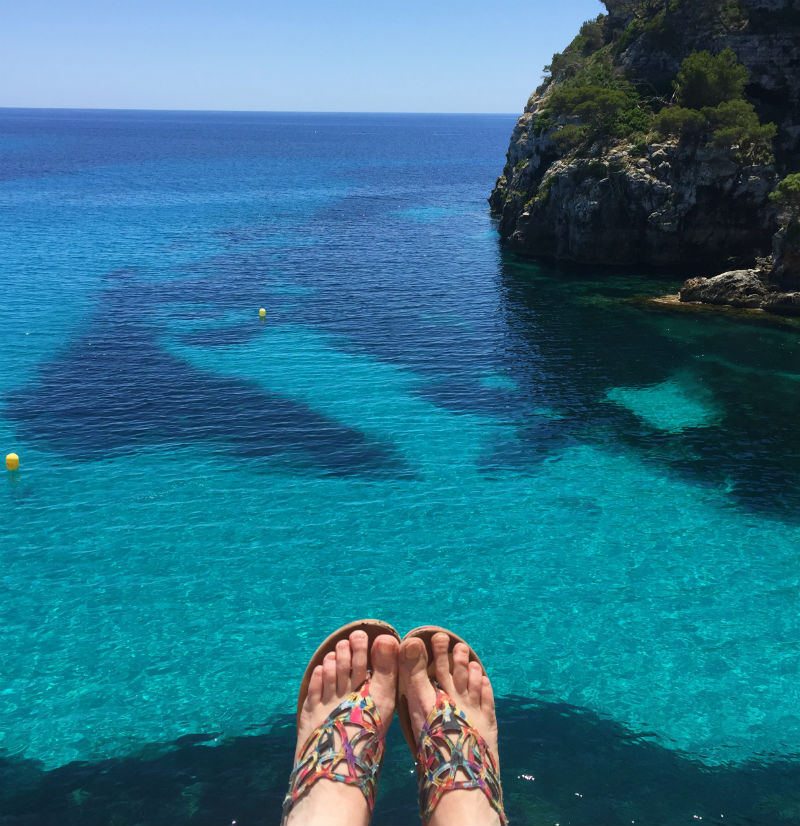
607	106
688	124
753	143
594	169
544	188
736	124
630	33
661	33
787	195
570	137
565	65
731	113
592	103
634	118
541	194
542	123
710	91
597	169
592	34
592	90
705	80
600	106
732	14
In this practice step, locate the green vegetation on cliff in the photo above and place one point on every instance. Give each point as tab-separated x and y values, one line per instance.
787	197
593	100
709	93
786	244
658	136
706	80
657	23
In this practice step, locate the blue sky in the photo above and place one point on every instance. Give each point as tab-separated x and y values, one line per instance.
315	55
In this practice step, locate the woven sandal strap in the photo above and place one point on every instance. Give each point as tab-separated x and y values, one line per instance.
357	758
450	745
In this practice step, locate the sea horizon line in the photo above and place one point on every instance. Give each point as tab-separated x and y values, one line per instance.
245	111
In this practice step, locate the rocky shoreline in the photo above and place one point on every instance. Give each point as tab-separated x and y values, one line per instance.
592	175
749	288
664	207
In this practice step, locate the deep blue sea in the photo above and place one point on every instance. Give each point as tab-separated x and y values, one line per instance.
601	496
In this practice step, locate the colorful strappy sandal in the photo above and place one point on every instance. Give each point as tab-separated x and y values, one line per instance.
450	753
331	751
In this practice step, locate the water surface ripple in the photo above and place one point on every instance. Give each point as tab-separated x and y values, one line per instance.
425	428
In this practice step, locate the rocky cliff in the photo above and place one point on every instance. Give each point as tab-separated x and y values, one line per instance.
609	162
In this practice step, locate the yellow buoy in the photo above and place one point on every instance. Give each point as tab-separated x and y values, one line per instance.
12	461
262	313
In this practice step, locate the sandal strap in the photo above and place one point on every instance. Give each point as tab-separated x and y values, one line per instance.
450	745
357	758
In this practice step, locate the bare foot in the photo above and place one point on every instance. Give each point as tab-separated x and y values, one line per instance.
342	672
469	689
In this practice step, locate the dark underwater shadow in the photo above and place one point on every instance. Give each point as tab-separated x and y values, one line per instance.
560	765
115	390
572	337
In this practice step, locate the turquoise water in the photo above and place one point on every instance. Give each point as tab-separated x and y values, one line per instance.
601	497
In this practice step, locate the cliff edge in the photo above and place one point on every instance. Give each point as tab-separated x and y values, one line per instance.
657	139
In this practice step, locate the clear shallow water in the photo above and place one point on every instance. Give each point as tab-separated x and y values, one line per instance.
602	498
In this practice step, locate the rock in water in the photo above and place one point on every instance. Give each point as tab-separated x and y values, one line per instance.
783	303
737	288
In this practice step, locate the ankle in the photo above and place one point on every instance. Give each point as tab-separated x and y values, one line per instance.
467	807
330	803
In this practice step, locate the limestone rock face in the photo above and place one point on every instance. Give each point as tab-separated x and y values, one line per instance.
665	204
764	36
671	206
786	257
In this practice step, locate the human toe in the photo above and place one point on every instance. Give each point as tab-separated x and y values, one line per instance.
461	667
385	650
487	697
359	643
415	684
440	645
474	680
343	674
413	658
329	677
